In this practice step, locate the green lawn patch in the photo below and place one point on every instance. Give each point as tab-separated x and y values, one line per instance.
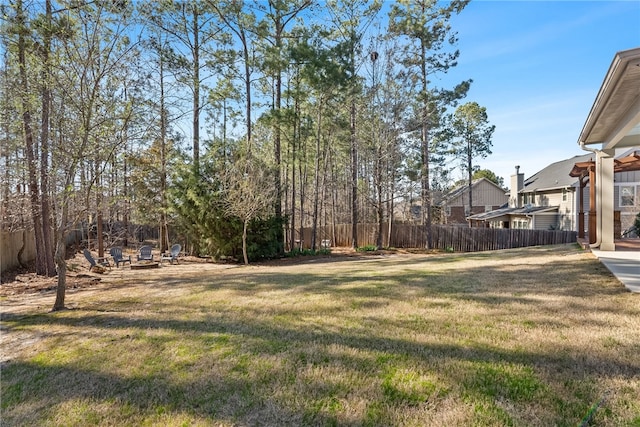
530	337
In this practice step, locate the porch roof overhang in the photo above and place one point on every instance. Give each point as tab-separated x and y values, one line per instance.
507	213
614	119
628	163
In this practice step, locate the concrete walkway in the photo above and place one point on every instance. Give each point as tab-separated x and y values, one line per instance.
625	265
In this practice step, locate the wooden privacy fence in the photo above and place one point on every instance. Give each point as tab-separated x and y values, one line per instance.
459	239
11	242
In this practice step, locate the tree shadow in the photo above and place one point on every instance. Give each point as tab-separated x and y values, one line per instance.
258	333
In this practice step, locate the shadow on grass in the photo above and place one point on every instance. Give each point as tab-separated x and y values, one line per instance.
213	397
235	393
250	336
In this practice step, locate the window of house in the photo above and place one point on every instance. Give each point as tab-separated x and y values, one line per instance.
627	195
521	223
564	194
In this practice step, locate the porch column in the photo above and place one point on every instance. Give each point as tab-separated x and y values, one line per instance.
592	206
606	202
583	184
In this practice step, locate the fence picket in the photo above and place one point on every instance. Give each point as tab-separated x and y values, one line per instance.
459	239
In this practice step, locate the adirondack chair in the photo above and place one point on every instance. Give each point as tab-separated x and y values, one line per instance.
100	262
144	253
118	258
172	255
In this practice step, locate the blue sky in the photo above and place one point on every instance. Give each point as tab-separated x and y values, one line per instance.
537	67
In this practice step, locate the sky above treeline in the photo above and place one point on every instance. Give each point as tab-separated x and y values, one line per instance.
537	67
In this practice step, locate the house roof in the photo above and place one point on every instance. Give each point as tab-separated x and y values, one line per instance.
614	119
461	189
527	210
554	176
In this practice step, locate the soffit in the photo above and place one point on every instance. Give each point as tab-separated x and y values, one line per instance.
615	113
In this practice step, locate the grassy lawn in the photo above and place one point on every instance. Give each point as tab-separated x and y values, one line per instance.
531	337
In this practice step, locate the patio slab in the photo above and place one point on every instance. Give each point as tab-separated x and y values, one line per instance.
624	264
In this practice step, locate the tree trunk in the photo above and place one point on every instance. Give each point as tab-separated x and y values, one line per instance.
316	183
354	175
277	155
21	250
426	188
303	172
247	85
44	151
62	273
196	92
99	219
164	235
244	241
60	259
391	207
470	176
294	145
34	195
380	207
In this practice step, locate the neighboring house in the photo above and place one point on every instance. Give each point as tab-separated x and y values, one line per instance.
550	199
487	196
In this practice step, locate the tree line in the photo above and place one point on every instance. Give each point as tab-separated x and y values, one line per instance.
231	124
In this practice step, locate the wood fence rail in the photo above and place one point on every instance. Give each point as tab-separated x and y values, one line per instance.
458	239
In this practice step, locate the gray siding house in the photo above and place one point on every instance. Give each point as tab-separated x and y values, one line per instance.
550	199
487	196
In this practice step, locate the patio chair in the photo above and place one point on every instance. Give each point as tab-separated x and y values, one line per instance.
172	255
101	262
118	258
144	253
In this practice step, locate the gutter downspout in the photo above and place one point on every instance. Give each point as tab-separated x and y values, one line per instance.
595	151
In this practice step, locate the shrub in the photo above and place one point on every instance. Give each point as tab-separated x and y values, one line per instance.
296	252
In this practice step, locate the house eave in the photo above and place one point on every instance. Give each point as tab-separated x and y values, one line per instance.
613	121
560	187
534	210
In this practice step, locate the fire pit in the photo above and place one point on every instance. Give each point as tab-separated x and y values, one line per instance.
144	265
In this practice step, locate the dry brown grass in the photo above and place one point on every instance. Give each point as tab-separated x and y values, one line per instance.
528	337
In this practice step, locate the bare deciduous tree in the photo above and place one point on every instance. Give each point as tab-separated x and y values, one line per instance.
248	192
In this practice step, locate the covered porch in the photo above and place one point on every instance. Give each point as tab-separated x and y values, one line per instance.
586	174
613	123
